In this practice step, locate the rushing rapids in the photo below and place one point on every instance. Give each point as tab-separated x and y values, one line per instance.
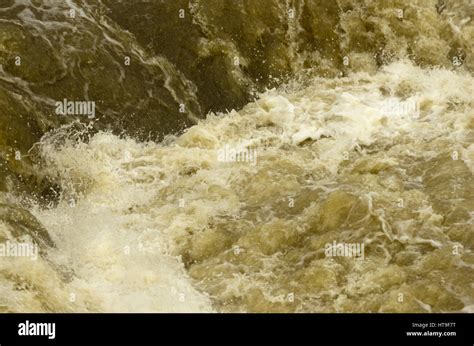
233	145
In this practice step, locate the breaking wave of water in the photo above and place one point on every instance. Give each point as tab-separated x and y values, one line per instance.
351	123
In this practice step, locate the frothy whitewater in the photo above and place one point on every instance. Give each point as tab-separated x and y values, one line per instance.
342	181
145	226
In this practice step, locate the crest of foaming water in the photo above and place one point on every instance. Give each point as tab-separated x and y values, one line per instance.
170	227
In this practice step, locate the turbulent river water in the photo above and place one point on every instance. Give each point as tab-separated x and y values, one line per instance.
233	142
